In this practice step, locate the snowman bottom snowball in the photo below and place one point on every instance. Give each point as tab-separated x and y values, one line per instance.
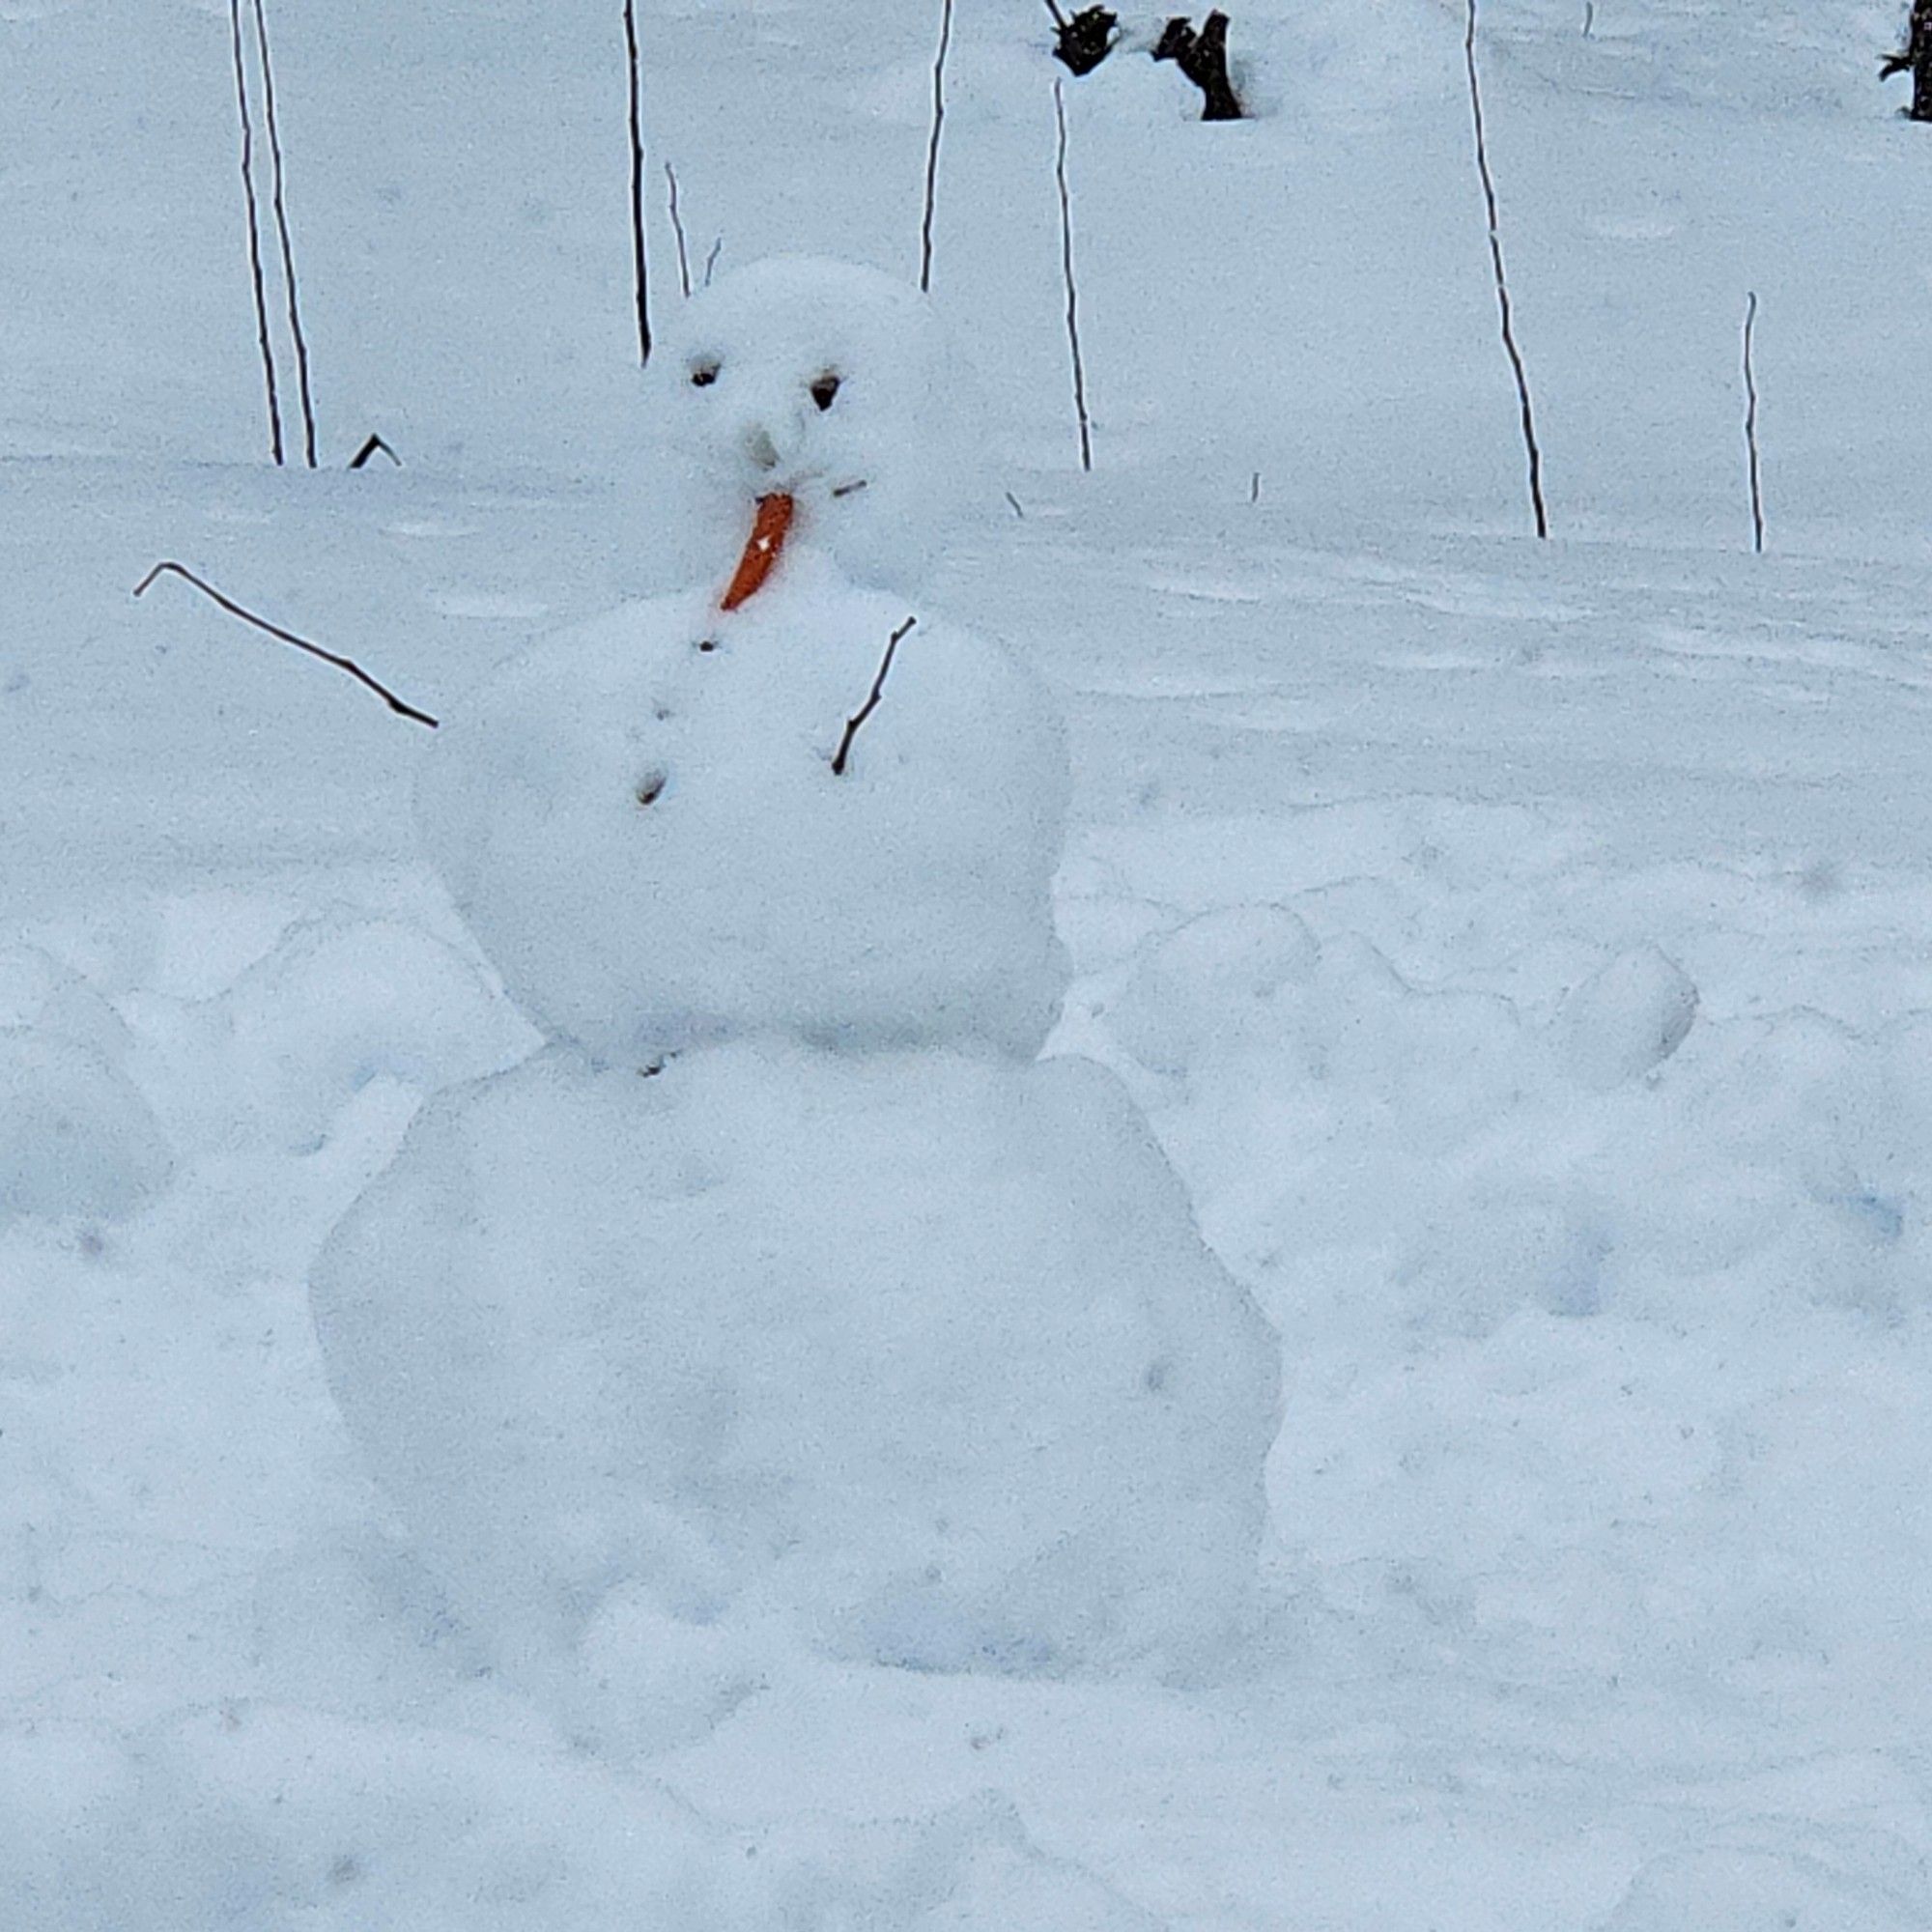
917	1357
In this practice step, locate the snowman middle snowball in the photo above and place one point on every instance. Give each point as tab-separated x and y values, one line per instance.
640	820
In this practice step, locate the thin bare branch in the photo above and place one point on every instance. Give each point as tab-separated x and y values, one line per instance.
276	631
871	703
677	229
261	336
640	254
711	260
932	149
371	447
1072	288
288	245
1751	426
1502	283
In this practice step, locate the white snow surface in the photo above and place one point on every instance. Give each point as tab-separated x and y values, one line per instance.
1597	1525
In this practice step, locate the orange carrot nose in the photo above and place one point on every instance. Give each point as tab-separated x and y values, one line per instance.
762	552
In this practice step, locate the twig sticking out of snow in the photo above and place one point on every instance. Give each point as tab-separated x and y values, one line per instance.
1082	43
287	246
711	260
640	255
1072	289
871	703
677	229
932	149
1915	60
1751	426
1502	283
262	336
1255	487
247	617
1015	502
1202	57
369	449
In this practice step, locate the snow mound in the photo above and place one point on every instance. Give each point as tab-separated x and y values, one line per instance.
650	842
879	473
1626	1019
76	1141
1201	991
340	1003
1602	1331
37	992
1734	1890
269	1819
917	1359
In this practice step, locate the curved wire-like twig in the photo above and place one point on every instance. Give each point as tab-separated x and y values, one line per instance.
276	631
638	253
282	230
1072	288
261	336
932	150
374	445
677	229
871	703
1751	426
1502	284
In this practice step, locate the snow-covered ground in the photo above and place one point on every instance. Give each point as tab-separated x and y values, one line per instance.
1524	952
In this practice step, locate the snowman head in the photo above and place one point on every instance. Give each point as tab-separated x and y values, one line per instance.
829	385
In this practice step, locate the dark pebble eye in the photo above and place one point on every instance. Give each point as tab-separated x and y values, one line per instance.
704	375
825	391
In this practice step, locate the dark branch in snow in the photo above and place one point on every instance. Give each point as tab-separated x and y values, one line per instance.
1750	427
1072	288
1510	348
932	149
711	260
677	229
288	245
640	255
1082	43
1915	60
369	449
262	336
247	617
871	703
1202	57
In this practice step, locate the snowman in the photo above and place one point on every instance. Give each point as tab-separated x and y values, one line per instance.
786	1299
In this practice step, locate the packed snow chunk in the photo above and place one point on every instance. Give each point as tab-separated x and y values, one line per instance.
830	384
342	1001
1750	1890
917	1359
76	1141
1626	1019
268	1819
972	1868
37	992
1201	991
646	827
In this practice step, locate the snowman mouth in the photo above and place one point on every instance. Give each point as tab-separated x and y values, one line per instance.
770	526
